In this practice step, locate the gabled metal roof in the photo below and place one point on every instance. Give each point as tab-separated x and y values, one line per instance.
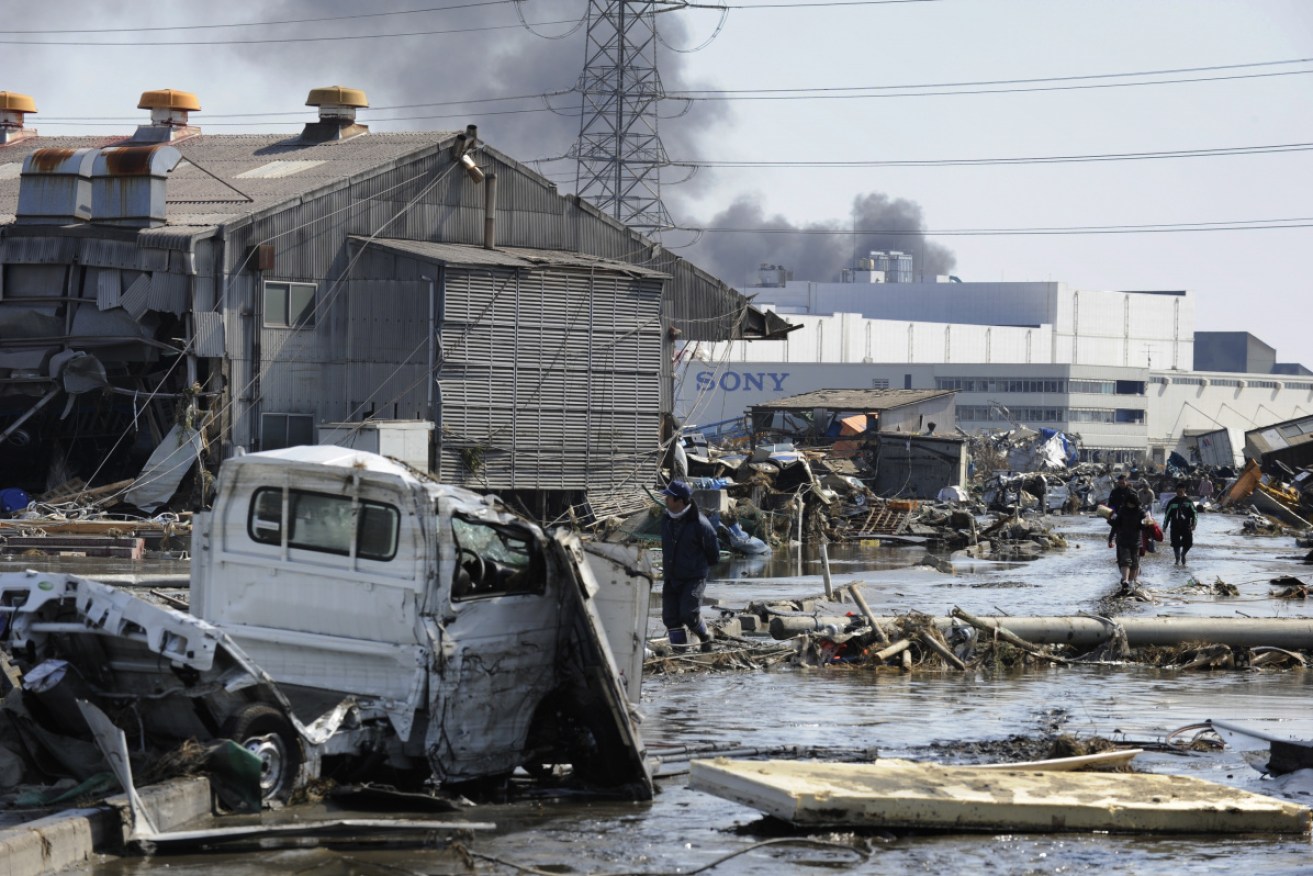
225	177
521	258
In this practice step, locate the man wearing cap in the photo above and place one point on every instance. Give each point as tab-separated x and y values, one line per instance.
1120	493
688	548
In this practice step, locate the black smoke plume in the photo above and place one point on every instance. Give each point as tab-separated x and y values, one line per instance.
741	238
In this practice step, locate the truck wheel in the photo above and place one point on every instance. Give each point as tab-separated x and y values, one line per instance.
264	731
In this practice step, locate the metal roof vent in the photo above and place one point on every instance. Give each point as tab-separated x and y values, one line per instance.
337	114
128	184
13	107
55	187
168	116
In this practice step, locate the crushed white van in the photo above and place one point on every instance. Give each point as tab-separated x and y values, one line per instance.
351	617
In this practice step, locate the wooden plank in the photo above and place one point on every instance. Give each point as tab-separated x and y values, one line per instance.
903	794
1101	759
76	545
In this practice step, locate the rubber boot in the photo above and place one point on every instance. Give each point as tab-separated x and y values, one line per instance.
705	636
678	640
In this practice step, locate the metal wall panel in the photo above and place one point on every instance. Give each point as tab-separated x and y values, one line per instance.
119	254
109	286
208	334
39	250
550	379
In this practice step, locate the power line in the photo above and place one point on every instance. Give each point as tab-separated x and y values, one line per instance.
163	27
1218	152
818	5
279	40
835	93
1167	71
1230	225
400	106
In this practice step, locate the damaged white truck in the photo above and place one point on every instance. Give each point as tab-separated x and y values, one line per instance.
353	619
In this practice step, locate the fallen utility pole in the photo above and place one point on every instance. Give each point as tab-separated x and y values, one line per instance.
1089	632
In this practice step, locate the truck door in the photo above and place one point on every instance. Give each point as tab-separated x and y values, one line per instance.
500	628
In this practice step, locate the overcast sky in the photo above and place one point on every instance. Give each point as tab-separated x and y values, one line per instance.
1256	279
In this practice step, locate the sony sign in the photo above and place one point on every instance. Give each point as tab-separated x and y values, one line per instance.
742	381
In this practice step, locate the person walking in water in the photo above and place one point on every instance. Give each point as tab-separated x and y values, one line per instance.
1120	492
1126	524
1180	518
688	549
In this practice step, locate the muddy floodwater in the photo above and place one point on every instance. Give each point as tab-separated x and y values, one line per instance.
924	715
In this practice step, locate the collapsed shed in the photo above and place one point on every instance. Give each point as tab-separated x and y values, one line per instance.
899	432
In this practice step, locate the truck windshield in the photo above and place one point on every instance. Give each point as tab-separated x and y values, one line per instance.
494	560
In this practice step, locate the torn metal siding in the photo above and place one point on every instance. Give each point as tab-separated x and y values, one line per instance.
578	404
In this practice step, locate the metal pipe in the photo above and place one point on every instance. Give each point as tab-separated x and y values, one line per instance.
1087	632
490	211
13	427
433	363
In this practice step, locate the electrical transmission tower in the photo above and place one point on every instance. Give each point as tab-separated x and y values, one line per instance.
619	154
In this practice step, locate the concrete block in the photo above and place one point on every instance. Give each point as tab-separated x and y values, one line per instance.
731	627
71	837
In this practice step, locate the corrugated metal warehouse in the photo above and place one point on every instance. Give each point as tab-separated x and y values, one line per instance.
181	293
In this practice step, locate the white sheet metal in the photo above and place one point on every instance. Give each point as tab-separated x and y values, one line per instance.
164	470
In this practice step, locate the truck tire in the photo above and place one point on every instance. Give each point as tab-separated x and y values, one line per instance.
266	732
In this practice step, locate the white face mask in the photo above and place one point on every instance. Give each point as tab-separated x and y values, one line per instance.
680	513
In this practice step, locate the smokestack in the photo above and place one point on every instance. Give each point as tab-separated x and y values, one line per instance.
168	116
337	114
13	107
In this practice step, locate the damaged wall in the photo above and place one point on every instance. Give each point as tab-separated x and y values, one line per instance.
918	466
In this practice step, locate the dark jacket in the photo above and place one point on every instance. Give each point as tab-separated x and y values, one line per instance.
1180	512
1118	496
688	545
1126	524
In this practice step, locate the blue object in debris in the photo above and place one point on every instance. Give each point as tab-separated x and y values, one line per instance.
13	499
742	543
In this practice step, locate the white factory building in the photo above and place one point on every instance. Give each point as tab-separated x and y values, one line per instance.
1115	367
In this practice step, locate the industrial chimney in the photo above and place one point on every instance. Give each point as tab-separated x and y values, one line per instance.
13	107
337	114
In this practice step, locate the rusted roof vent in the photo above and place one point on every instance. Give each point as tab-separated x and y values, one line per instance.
13	107
55	187
168	116
337	114
128	184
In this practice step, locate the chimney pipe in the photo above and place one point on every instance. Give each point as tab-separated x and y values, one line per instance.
490	211
13	107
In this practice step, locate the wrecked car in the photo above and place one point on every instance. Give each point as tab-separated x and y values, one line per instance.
352	618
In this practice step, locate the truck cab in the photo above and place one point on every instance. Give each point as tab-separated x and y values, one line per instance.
401	621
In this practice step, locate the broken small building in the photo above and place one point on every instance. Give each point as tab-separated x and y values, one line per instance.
906	434
173	295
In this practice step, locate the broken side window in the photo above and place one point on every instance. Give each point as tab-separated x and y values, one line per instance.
494	560
324	522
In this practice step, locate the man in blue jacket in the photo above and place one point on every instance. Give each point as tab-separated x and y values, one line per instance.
688	549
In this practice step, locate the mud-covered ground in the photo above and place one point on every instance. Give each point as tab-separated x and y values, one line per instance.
955	717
